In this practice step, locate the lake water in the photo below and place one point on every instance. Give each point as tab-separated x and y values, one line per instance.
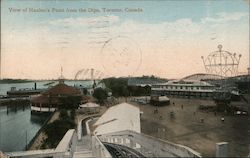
40	85
18	126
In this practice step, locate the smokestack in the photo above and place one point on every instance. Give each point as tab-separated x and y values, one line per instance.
92	74
35	85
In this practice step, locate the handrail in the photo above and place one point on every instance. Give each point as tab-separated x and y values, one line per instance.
62	149
79	125
66	142
98	149
34	153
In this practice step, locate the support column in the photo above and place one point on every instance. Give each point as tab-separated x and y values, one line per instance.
222	149
124	141
131	143
119	140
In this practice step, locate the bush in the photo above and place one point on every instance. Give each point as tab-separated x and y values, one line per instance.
72	114
120	88
63	114
70	102
57	129
100	94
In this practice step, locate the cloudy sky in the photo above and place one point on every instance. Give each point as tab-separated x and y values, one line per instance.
162	38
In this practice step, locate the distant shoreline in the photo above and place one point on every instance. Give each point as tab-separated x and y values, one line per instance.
15	81
28	80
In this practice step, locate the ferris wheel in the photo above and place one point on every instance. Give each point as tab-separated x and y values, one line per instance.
222	63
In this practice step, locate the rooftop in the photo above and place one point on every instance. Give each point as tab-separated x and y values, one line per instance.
186	82
62	89
89	105
144	81
121	117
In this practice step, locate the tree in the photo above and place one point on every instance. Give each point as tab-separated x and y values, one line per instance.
85	91
70	102
100	94
63	114
57	129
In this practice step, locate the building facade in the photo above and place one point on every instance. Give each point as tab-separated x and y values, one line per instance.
183	88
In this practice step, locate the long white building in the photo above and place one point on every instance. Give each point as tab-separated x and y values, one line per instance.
188	88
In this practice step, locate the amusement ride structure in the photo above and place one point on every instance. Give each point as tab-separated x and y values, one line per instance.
222	63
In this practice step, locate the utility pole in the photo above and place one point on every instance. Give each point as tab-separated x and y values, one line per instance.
0	61
0	133
26	147
1	49
248	69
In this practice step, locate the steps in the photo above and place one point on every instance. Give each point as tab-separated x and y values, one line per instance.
83	154
83	148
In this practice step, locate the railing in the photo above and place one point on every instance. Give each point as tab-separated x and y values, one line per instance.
98	149
36	153
79	124
147	145
68	143
63	150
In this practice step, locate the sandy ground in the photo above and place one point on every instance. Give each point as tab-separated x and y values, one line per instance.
187	129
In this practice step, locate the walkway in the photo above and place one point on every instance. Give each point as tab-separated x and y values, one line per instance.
83	148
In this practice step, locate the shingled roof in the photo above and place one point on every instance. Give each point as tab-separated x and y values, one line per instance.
53	94
43	99
62	89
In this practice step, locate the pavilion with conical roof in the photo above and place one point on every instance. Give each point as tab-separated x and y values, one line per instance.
50	100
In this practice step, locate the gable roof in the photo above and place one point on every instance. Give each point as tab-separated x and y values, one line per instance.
120	117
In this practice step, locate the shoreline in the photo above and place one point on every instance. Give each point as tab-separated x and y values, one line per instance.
37	140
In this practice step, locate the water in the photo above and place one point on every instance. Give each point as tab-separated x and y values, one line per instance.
15	124
4	87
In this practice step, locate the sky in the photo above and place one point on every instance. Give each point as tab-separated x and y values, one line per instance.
165	38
